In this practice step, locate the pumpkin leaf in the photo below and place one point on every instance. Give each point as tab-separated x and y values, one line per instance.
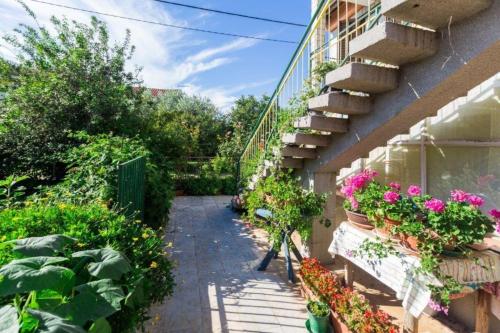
101	325
8	319
94	300
46	300
108	263
41	246
50	323
34	274
136	295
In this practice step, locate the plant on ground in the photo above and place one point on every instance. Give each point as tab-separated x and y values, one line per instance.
11	192
53	289
96	226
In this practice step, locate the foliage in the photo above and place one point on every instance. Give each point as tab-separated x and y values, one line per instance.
11	192
292	207
96	226
92	175
64	290
70	79
318	309
352	308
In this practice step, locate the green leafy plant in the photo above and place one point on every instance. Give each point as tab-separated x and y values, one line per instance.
95	226
292	207
11	192
63	290
318	309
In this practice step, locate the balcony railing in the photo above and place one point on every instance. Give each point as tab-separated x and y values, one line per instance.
326	39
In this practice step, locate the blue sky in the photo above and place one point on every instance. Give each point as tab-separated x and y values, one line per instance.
221	68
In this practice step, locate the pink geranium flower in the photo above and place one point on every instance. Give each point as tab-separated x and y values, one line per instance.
495	213
459	195
395	186
475	200
414	191
391	197
347	190
354	203
435	205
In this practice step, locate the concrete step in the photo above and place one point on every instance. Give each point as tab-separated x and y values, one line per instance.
363	78
292	163
342	103
394	44
432	13
289	151
298	139
322	123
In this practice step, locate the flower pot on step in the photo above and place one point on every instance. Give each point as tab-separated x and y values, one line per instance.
359	220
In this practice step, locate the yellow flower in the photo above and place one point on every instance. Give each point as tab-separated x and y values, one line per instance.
170	244
80	245
153	265
145	235
135	239
138	221
61	206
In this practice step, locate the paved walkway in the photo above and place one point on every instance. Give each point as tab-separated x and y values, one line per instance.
218	288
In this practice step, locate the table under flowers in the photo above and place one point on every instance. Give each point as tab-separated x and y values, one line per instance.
397	268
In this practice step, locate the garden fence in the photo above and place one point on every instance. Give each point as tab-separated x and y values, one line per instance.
131	180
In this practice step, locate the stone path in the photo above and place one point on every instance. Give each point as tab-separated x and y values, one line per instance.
218	288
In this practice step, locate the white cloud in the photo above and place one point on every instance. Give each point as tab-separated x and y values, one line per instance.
157	48
222	97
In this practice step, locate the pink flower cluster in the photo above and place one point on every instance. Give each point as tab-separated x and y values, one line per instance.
395	186
355	183
495	213
435	205
414	191
462	196
391	197
436	306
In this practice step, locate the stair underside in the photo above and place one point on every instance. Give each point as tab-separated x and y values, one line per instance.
290	151
342	103
292	163
394	44
298	139
363	78
432	13
322	123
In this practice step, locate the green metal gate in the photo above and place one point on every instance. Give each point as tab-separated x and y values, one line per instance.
131	179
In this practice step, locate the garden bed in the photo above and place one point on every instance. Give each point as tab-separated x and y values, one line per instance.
308	294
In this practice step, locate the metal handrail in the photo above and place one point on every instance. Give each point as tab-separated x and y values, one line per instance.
348	27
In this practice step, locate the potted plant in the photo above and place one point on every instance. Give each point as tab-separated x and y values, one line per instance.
394	210
362	195
318	317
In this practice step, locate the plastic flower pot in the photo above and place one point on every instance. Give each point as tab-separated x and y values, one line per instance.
318	324
359	220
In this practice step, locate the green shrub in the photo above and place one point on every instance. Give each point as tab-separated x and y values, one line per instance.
95	226
92	175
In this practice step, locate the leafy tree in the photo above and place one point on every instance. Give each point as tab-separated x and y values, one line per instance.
72	79
242	120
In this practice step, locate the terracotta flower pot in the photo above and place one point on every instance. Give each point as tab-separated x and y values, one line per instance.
359	220
385	231
412	242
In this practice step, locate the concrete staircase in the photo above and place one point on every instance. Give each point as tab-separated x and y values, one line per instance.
381	50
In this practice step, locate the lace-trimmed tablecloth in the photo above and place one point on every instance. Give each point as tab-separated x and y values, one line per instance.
397	271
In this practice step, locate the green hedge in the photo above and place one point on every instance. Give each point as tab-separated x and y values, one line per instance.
96	226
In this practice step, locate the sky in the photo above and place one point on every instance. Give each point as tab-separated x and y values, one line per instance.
218	67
